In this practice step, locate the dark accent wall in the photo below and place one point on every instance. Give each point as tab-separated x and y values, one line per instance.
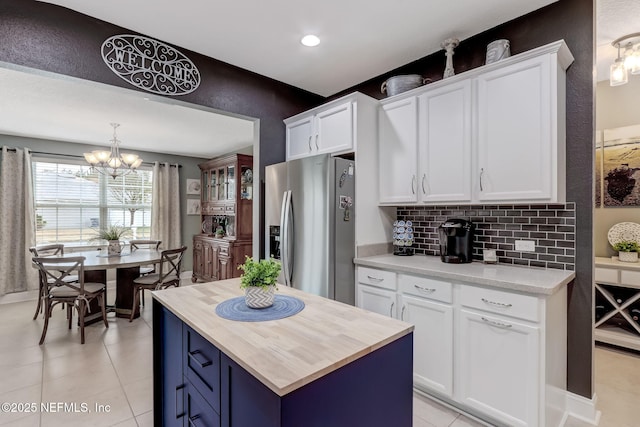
551	227
59	40
573	21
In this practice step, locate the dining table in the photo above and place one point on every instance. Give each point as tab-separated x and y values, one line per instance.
127	266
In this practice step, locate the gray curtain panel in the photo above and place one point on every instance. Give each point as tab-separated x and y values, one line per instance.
17	222
165	208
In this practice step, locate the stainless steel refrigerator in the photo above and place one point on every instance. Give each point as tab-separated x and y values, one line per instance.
310	224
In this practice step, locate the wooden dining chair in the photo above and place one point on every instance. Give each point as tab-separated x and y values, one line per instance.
74	295
145	269
56	249
168	275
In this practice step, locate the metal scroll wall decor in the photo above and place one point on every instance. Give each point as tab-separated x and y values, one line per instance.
150	65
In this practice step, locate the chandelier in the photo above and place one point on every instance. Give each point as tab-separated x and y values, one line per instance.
629	62
113	163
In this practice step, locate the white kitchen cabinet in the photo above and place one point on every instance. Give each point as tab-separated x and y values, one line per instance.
300	138
426	304
498	367
520	133
378	300
331	128
397	151
496	353
444	149
492	134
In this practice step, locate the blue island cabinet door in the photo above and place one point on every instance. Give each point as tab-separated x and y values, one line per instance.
169	387
375	390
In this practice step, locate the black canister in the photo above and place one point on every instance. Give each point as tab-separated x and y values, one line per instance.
456	240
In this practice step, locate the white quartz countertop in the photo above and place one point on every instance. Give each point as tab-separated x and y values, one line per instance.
614	262
523	279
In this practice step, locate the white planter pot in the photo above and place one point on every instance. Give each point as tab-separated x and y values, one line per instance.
628	256
259	297
114	248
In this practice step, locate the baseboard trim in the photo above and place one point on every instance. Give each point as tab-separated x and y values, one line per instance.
582	408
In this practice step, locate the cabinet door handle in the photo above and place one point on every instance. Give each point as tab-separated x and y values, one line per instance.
481	173
499	304
421	289
497	324
193	420
402	312
391	309
317	148
310	143
180	413
195	355
377	279
413	184
423	179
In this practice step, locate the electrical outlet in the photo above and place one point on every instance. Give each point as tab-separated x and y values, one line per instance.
525	245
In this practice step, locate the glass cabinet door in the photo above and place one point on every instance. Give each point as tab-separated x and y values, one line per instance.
231	183
221	184
246	183
213	185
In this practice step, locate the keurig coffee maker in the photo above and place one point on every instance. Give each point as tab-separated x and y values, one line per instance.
456	240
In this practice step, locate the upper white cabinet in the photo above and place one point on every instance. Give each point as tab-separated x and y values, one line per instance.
520	151
331	128
492	134
398	127
444	147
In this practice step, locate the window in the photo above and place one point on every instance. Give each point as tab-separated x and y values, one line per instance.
72	202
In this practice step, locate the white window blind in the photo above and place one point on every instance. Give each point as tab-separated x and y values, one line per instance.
72	202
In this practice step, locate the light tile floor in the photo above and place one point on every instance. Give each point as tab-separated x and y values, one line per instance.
112	375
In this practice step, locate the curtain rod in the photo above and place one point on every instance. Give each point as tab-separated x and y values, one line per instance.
75	156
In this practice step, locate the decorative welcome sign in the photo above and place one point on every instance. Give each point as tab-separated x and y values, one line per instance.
150	65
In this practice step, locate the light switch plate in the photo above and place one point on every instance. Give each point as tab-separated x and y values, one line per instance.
525	245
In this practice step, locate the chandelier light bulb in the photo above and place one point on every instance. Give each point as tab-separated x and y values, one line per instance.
112	163
618	73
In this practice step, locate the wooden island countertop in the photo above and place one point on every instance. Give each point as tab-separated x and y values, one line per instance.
289	353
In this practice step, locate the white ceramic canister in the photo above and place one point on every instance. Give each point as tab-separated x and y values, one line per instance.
497	50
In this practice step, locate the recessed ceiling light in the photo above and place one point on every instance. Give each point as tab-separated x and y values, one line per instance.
310	40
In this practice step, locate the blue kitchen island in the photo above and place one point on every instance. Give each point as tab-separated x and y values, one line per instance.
331	364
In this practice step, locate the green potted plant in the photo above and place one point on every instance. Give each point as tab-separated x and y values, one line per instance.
627	250
259	279
112	234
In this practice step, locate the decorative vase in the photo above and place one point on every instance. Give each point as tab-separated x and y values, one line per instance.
114	248
259	297
628	256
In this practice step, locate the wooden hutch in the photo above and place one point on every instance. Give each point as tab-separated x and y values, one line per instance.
227	206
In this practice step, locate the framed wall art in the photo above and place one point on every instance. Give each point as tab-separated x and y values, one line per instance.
620	166
193	206
193	186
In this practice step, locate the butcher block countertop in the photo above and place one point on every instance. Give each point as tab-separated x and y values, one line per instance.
289	353
531	280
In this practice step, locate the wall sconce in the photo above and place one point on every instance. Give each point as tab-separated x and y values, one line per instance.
627	63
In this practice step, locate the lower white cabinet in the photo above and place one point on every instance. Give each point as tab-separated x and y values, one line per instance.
432	342
381	301
495	353
498	367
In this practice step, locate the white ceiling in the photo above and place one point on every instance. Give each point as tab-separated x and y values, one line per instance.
360	40
614	19
49	106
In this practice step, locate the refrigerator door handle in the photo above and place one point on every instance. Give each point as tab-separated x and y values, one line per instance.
286	241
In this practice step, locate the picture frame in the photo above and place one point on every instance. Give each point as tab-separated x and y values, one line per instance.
193	186
193	207
620	174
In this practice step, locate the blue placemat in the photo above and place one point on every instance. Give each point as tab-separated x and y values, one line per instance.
236	309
